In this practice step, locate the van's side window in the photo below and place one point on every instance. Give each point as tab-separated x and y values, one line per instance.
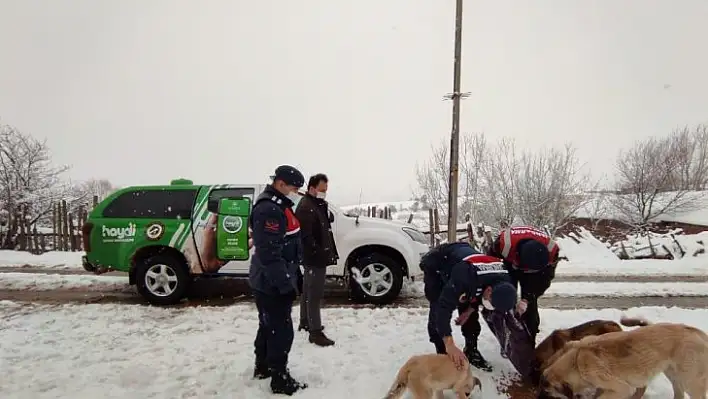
217	194
157	204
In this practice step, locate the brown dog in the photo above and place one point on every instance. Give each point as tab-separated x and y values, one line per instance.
618	363
428	375
554	342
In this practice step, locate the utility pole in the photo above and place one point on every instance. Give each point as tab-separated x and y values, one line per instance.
455	96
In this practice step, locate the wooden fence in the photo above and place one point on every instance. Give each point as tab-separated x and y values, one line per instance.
64	234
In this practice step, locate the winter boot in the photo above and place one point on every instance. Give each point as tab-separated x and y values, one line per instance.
476	359
261	371
320	339
283	383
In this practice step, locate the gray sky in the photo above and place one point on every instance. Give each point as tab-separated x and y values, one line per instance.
220	91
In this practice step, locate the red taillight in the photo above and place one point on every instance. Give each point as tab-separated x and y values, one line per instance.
86	236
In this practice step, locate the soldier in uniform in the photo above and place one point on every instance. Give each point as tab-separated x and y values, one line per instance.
531	257
458	277
273	277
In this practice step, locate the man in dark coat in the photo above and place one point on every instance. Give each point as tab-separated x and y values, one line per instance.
273	277
458	277
319	251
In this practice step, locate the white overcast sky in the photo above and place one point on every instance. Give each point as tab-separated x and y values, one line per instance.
218	91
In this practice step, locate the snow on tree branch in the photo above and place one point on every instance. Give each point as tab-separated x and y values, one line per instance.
499	177
551	186
656	176
433	179
28	180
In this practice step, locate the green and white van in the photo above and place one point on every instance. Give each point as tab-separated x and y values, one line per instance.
166	236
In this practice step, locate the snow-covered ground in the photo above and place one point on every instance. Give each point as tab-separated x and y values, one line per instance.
589	258
52	259
125	351
46	282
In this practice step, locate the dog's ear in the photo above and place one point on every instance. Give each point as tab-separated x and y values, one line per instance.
559	339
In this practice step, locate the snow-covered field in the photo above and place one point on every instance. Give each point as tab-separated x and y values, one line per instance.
126	351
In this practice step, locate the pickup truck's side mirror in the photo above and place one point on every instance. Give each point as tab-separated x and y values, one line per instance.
331	217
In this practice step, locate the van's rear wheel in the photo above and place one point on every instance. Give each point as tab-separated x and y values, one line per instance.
375	278
162	279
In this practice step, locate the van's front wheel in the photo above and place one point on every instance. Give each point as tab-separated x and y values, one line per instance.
375	278
162	279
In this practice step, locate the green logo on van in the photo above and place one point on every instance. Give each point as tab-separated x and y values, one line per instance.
118	234
232	224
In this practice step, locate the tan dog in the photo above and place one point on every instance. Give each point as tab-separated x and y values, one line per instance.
427	376
618	363
556	340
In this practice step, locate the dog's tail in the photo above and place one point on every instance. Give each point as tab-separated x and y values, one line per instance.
634	321
400	383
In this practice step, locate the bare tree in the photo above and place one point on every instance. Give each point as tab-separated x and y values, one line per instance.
28	180
498	183
690	147
82	193
551	186
433	178
472	158
597	205
646	175
433	175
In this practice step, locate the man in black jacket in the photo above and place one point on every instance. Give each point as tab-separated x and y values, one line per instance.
319	251
273	277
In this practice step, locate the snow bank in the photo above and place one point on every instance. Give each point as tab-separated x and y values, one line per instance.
568	289
588	256
583	246
672	244
46	282
571	289
697	266
52	259
115	351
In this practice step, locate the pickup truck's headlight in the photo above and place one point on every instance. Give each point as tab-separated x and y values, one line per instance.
415	235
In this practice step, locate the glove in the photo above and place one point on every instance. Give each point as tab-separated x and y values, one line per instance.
522	306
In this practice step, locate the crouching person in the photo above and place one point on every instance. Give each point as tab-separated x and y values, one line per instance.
531	257
273	278
458	277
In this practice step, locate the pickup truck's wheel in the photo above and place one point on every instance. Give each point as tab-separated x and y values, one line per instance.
375	278
162	279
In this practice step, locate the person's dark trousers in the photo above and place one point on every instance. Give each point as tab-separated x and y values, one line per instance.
470	330
432	289
311	298
311	303
274	338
